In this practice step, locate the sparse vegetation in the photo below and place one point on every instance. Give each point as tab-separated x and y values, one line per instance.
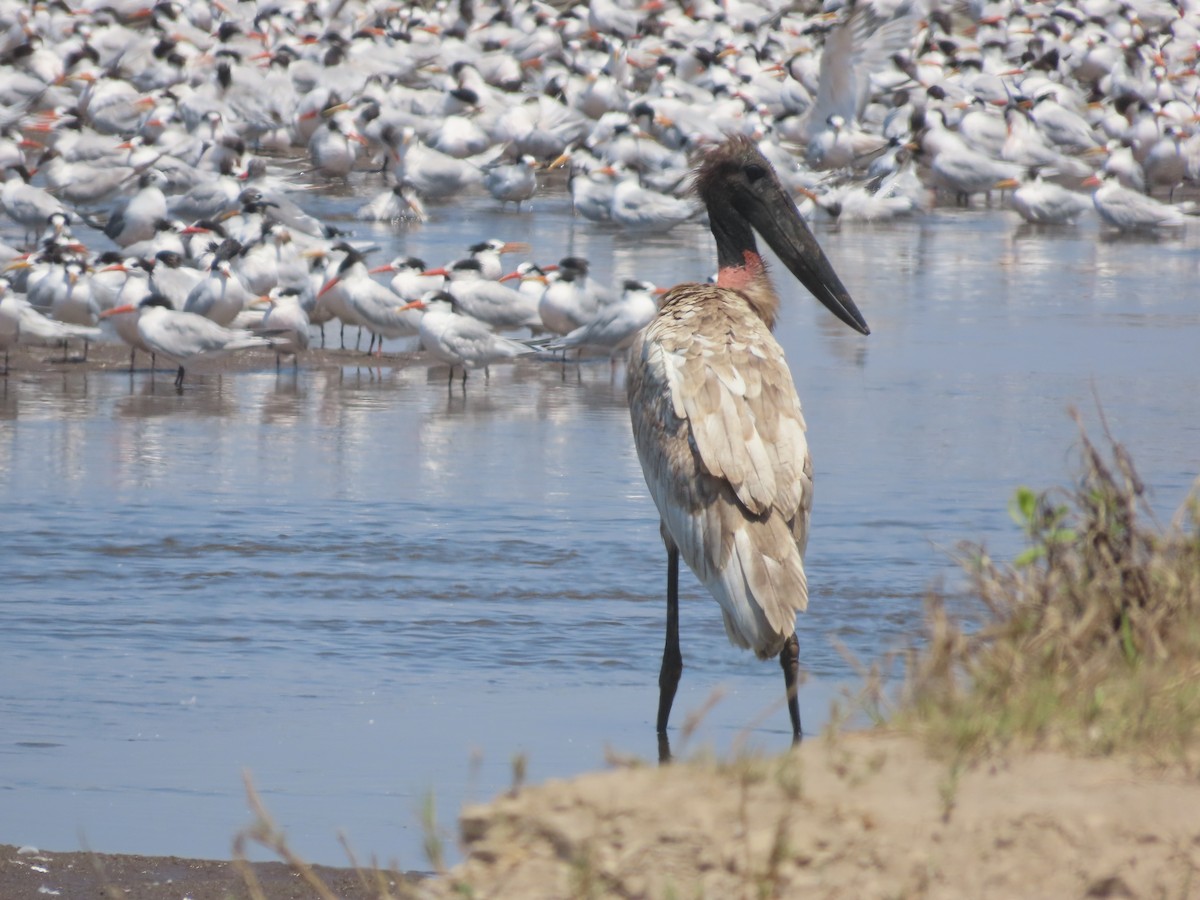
434	848
1091	641
373	881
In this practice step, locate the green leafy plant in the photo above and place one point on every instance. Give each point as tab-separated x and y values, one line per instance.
1090	637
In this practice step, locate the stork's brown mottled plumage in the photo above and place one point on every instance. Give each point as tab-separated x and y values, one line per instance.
717	421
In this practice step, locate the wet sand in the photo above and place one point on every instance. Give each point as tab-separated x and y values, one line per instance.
114	357
26	872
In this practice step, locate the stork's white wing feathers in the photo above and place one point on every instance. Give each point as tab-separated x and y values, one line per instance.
726	460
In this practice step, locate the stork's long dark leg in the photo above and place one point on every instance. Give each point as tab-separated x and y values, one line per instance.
789	659
179	379
672	661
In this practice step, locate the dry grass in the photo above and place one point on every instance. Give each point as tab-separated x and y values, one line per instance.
1091	638
374	881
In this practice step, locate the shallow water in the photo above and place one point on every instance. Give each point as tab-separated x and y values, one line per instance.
362	588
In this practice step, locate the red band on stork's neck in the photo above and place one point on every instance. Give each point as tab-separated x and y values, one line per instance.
739	277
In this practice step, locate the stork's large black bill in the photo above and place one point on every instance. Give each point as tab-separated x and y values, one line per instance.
774	216
742	192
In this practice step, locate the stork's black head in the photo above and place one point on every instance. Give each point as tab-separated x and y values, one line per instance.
743	195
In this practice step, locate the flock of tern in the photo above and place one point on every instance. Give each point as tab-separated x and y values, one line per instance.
156	157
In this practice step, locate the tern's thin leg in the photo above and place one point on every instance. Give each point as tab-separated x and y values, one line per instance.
789	659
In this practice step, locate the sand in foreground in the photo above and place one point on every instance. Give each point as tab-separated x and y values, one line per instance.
865	816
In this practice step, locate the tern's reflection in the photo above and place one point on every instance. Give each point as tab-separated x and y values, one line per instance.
153	394
287	402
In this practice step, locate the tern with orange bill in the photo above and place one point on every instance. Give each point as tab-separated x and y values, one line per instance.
496	305
285	323
614	328
1043	202
220	295
20	323
334	148
489	254
1129	210
512	182
361	300
184	337
460	340
408	281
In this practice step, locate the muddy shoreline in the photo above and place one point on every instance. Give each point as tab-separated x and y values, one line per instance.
115	358
27	872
